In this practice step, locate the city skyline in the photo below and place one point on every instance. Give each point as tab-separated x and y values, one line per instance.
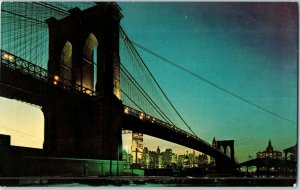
245	48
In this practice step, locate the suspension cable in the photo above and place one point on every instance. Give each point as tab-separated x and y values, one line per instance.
210	83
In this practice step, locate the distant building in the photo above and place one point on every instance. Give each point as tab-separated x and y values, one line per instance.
269	163
202	160
174	159
186	162
180	159
167	157
269	153
193	159
137	147
291	153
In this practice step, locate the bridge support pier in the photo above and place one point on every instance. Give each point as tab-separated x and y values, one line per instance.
225	168
83	127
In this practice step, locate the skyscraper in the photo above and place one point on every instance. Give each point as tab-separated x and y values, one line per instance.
137	147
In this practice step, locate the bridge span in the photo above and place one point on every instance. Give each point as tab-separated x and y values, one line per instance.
30	83
80	96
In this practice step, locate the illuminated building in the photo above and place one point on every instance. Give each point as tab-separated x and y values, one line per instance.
167	157
174	159
269	163
269	153
137	147
186	161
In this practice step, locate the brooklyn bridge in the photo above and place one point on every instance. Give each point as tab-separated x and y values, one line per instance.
76	62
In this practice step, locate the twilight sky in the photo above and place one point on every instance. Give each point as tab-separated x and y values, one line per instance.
249	49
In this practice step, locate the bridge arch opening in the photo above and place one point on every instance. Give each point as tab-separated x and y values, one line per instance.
222	149
23	122
89	63
66	62
228	151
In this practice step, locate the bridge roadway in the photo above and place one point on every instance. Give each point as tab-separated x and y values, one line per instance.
30	83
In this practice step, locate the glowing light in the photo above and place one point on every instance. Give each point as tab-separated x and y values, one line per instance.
56	77
5	56
89	92
10	57
142	116
55	83
126	110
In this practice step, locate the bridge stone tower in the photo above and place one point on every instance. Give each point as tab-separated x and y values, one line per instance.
81	125
224	146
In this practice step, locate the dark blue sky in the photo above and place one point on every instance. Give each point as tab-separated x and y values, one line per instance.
247	48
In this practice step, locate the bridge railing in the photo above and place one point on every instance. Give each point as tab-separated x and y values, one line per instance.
16	63
143	116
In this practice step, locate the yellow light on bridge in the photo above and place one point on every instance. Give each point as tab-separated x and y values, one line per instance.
56	77
8	57
126	110
55	83
142	116
5	56
89	92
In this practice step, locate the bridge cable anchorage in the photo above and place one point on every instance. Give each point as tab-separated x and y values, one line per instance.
210	83
135	51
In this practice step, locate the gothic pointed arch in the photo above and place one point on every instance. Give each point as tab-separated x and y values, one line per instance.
66	62
228	151
89	62
222	149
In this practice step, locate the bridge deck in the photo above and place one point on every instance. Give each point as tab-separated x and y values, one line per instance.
19	76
